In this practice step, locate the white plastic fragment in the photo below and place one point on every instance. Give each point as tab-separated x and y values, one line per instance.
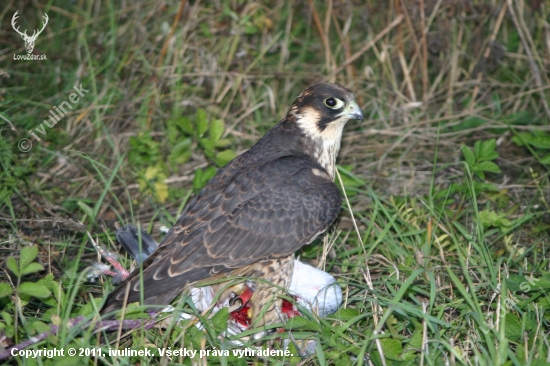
314	289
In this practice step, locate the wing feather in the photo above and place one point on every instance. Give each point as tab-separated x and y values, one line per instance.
264	212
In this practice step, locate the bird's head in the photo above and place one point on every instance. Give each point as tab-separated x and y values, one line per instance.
323	108
321	112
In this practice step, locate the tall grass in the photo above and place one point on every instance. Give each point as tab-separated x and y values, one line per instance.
440	264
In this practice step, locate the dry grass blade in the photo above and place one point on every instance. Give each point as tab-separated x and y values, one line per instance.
417	250
532	64
487	52
163	52
368	46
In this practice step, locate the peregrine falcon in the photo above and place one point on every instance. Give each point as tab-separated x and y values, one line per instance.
255	212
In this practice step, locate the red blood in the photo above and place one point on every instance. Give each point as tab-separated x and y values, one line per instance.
241	316
246	295
289	309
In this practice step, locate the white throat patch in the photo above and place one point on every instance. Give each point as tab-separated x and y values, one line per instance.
327	142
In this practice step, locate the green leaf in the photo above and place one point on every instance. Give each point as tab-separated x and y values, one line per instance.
58	292
202	122
8	330
469	123
216	129
485	150
469	156
513	329
202	177
544	283
28	254
48	281
523	118
345	314
12	266
208	147
34	289
5	289
143	150
223	142
542	142
40	327
479	173
7	317
293	360
485	187
392	348
488	166
491	218
181	152
545	160
32	268
185	125
414	344
488	150
299	322
514	282
54	287
172	134
198	180
219	320
522	138
88	308
224	157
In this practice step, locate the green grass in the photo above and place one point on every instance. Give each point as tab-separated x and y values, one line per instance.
443	257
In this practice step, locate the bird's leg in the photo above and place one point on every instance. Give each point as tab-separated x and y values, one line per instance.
119	269
266	304
240	306
119	274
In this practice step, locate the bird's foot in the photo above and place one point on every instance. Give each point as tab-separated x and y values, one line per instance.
119	269
240	307
119	274
237	303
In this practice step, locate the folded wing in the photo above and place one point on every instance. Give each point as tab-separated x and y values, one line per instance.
264	212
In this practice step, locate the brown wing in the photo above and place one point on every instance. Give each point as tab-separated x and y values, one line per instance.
269	211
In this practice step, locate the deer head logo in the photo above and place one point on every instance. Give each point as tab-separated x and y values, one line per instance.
29	40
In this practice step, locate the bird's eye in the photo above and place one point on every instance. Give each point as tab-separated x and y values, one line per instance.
333	103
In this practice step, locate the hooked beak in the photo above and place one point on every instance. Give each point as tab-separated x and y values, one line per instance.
353	111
